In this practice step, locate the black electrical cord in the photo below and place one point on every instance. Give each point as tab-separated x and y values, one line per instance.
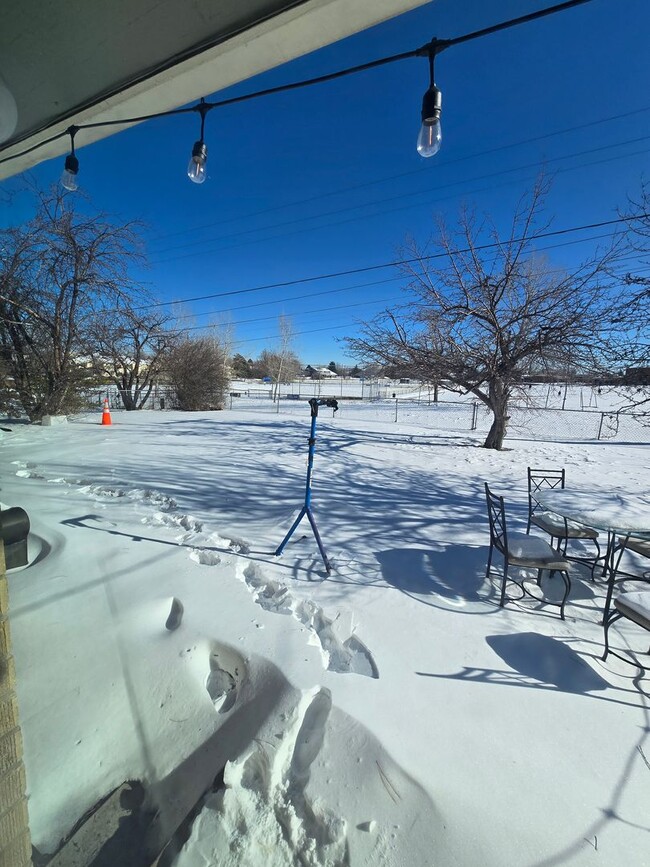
430	50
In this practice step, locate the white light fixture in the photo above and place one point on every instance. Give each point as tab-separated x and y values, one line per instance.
71	168
430	137
196	167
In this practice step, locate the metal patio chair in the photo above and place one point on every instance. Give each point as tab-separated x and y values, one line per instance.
523	551
634	606
640	547
557	526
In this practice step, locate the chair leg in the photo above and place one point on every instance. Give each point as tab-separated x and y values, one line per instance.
503	583
539	577
608	622
489	562
567	583
593	577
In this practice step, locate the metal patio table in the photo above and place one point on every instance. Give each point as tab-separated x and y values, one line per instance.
618	514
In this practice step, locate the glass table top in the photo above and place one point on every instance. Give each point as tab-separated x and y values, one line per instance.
613	511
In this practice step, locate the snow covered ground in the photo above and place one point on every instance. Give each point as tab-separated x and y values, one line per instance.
388	714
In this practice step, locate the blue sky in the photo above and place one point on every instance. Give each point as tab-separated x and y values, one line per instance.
327	178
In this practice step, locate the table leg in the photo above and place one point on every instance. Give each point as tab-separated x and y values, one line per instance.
612	569
608	571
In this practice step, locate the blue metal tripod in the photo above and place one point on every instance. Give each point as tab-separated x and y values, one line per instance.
314	403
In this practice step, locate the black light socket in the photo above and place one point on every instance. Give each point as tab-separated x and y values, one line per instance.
199	151
71	164
431	105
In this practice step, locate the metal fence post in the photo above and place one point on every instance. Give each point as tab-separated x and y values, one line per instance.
474	415
600	426
396	401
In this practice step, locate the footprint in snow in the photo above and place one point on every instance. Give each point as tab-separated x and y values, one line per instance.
228	671
311	735
205	558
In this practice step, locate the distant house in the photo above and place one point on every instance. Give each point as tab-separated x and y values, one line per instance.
326	372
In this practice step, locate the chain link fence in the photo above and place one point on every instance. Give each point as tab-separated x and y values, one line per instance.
159	398
526	422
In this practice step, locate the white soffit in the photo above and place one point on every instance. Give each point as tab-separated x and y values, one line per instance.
61	76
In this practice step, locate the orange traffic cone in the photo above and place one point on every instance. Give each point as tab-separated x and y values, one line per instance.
106	414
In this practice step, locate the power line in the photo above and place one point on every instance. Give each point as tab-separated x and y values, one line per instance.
296	334
439	165
435	46
399	197
290	298
408	207
369	302
392	264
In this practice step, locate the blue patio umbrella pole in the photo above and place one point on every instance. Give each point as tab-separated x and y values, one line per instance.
314	403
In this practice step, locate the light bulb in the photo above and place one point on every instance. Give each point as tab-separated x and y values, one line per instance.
196	166
430	138
69	174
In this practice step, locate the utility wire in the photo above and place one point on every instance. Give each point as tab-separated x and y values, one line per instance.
296	334
394	263
369	302
409	207
399	197
291	298
440	164
434	47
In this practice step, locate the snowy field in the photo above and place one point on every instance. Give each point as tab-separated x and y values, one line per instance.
585	413
389	714
541	396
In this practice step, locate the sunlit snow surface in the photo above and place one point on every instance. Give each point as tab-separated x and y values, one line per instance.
388	714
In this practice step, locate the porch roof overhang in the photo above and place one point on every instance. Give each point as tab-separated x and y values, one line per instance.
83	62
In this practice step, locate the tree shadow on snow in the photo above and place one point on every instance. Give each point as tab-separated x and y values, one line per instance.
447	578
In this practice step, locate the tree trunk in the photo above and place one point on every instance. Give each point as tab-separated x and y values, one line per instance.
497	432
498	397
127	397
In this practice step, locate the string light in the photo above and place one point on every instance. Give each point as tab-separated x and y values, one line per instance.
429	139
196	166
71	168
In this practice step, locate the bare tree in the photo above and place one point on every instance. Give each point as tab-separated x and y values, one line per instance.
197	370
279	367
288	364
56	271
281	364
129	346
626	348
492	310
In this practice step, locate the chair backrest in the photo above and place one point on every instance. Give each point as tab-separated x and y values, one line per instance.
542	478
497	518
